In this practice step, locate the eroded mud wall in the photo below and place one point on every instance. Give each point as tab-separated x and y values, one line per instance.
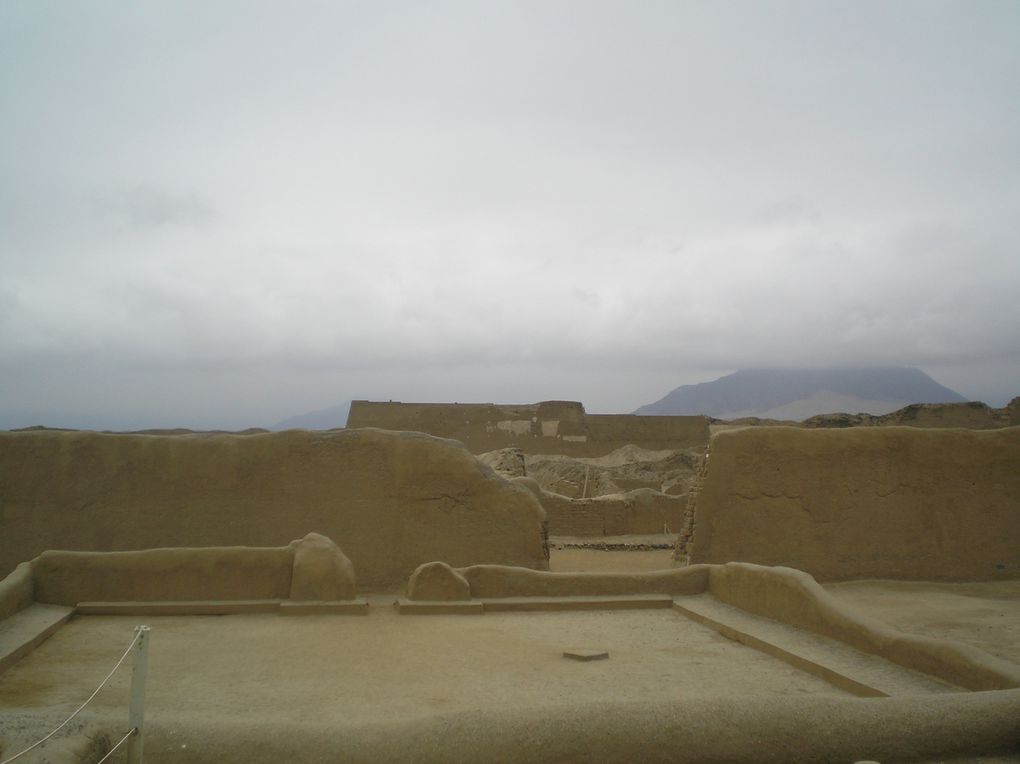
550	427
391	500
894	502
637	512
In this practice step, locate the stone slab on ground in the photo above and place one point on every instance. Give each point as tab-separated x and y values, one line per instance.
843	666
586	655
23	631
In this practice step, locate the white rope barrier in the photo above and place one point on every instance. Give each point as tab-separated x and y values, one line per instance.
81	707
119	742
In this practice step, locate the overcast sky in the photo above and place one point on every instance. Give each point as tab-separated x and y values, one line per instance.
220	214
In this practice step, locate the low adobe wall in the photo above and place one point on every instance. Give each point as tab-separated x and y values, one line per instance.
391	500
309	569
794	597
894	502
782	594
494	581
549	427
17	590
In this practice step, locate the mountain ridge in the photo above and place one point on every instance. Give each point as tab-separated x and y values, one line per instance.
801	393
329	418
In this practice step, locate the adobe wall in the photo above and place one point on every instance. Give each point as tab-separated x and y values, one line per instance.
498	581
793	597
971	415
17	590
889	502
637	512
215	573
549	427
309	569
390	500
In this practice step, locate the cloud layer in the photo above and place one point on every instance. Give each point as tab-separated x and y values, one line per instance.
221	215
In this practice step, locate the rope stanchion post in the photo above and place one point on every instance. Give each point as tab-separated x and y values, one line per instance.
136	710
79	709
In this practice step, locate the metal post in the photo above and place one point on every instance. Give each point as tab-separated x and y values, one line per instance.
136	711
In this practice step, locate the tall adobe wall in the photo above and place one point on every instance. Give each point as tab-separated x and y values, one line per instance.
549	427
391	500
890	502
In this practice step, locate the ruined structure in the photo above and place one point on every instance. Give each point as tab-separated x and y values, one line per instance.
391	500
639	512
549	427
845	503
869	502
599	474
973	415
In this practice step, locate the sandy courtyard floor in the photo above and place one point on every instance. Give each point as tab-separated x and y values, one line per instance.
578	560
363	668
983	614
209	675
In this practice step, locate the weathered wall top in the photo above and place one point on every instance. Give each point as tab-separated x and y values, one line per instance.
548	427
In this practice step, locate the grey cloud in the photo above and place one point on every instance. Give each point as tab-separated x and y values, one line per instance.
148	206
454	200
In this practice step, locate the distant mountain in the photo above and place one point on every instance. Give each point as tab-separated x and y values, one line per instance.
323	419
801	393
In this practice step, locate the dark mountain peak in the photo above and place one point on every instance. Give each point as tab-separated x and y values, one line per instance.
756	392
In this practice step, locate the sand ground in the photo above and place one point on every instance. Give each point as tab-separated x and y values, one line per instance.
984	614
574	560
354	670
326	670
358	668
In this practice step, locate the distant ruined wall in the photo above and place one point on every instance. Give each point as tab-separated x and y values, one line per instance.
972	415
391	500
550	427
889	502
641	512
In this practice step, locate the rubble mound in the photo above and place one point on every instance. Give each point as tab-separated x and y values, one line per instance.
628	468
